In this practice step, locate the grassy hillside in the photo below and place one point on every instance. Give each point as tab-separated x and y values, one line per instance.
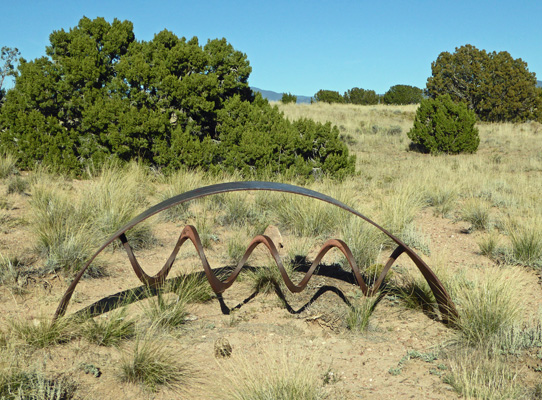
475	219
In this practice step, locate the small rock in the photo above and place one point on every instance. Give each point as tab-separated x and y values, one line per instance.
274	234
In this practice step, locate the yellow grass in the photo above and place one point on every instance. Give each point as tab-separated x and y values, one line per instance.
497	190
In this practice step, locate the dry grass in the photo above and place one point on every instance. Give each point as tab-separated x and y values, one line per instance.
110	330
275	377
497	191
489	305
150	363
479	375
40	333
7	165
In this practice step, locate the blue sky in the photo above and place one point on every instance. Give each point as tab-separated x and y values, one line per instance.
303	46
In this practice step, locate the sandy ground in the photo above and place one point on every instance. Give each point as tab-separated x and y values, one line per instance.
262	331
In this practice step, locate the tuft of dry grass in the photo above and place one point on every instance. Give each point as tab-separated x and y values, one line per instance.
359	314
65	235
274	377
489	305
169	311
7	165
364	241
152	364
115	197
526	243
180	182
475	374
41	333
305	216
110	330
477	213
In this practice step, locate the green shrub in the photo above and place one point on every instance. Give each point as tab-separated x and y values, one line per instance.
403	94
82	106
256	139
328	96
495	86
442	126
361	96
288	98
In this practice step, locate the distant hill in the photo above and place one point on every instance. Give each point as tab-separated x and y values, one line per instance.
274	96
539	83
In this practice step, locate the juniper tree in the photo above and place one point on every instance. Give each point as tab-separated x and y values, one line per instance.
100	94
494	85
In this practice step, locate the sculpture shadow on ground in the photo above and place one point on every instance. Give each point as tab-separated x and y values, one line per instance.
189	233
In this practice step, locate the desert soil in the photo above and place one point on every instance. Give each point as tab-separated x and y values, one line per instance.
262	331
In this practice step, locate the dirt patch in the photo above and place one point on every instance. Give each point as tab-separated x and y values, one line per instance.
373	365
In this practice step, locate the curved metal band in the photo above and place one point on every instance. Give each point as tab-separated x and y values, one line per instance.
445	303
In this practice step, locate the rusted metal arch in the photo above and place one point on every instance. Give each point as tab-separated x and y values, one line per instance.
444	301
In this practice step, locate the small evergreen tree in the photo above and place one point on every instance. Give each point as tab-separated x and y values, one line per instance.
328	96
403	94
288	98
361	96
443	126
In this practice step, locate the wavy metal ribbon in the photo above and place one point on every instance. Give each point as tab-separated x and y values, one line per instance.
444	301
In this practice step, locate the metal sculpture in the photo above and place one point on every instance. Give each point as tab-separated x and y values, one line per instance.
444	302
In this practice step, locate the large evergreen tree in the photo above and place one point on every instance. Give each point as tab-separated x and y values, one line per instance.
494	85
100	94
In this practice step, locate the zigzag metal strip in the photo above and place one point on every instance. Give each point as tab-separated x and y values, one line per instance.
190	233
445	303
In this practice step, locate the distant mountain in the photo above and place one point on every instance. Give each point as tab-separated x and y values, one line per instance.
274	96
539	83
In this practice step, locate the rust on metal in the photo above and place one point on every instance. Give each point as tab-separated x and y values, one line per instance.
443	299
